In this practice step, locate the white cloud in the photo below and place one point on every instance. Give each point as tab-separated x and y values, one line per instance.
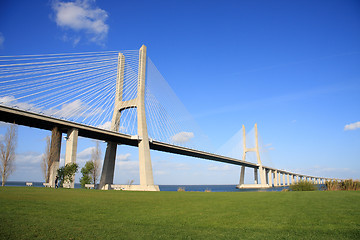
106	125
4	124
82	16
28	158
76	108
182	137
352	126
2	40
123	157
128	166
11	101
72	109
269	146
226	167
86	153
159	172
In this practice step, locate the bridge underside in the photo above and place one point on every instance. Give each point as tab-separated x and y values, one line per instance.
35	120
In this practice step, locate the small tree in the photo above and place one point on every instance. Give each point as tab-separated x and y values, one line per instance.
46	161
67	172
7	153
86	170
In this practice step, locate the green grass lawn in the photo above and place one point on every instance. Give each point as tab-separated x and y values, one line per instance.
43	213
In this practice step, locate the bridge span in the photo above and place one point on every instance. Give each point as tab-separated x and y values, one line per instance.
36	120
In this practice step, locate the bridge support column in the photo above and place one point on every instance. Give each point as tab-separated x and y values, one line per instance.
276	182
107	174
242	175
145	166
288	179
283	179
292	179
255	175
270	181
55	147
70	153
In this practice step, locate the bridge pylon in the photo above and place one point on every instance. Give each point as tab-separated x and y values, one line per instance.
145	167
261	171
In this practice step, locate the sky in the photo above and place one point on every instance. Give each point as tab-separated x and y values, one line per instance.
292	67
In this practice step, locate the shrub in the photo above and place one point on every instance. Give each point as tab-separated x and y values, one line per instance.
350	185
303	186
332	185
67	173
347	185
86	173
181	189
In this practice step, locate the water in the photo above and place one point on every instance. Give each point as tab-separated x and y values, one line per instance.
190	188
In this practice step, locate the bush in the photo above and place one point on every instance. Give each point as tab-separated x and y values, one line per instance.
67	173
350	185
303	186
332	185
181	189
86	173
347	185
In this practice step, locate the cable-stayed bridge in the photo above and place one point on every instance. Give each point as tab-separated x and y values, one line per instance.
117	97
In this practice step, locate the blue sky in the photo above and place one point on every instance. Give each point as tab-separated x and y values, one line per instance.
293	67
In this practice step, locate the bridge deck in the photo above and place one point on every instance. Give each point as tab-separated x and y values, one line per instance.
36	120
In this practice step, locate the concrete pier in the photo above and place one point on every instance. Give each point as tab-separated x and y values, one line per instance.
270	181
255	176
283	179
70	153
107	173
242	175
276	182
55	147
288	179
